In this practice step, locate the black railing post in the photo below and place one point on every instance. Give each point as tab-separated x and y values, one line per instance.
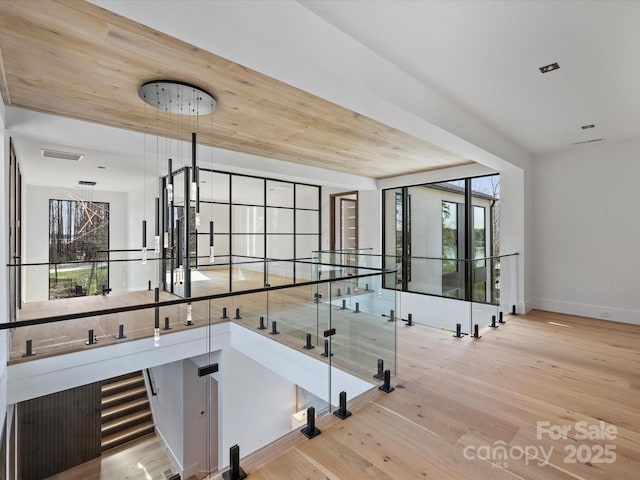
380	374
386	386
311	430
121	334
235	472
342	411
29	349
476	333
459	333
91	340
274	328
308	345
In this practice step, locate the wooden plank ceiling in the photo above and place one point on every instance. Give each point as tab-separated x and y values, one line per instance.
75	59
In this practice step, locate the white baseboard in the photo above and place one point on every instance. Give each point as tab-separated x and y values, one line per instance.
528	305
191	470
174	460
586	310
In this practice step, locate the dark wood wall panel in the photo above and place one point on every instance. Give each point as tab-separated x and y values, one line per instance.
59	431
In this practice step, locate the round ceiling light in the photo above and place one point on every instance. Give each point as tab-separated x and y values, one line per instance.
177	97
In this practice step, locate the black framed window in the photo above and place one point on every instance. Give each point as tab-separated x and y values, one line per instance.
78	231
442	233
257	218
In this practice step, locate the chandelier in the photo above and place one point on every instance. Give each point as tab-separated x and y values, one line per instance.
187	103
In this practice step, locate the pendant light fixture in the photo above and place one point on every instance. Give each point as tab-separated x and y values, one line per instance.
183	100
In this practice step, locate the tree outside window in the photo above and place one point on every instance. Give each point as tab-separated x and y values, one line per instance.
78	230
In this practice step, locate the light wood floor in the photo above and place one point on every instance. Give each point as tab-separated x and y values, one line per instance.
145	459
453	394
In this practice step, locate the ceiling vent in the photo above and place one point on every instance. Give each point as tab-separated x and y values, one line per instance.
87	182
47	153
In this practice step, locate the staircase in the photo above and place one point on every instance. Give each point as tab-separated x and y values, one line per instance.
126	415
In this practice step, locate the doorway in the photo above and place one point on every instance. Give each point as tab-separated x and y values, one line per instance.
15	233
344	221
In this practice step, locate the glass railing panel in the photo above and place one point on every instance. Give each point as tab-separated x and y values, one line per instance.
436	276
482	316
507	283
247	273
66	336
280	272
211	278
297	317
244	310
294	312
305	271
392	262
127	272
365	322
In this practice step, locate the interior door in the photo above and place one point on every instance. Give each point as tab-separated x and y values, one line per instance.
13	218
348	224
344	221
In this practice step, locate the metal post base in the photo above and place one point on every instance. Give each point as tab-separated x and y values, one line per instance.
310	433
342	414
240	476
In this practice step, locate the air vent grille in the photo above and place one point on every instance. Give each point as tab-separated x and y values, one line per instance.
48	153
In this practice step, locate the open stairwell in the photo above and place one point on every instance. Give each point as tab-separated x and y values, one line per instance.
126	415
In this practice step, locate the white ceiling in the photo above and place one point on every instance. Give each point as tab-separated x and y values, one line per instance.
484	56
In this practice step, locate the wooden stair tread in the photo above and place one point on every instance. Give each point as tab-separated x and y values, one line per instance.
122	396
121	408
122	377
123	436
131	419
122	384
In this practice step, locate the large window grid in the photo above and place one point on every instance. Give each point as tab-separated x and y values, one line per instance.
449	222
256	218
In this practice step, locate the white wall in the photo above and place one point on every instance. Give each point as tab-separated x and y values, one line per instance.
36	235
369	220
257	404
515	222
168	407
180	412
586	230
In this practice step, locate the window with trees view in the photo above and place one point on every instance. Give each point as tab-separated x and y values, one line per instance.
78	231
